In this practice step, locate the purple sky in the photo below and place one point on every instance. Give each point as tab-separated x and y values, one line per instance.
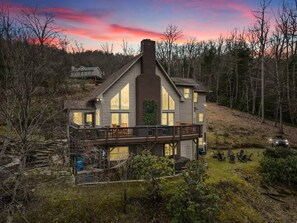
95	22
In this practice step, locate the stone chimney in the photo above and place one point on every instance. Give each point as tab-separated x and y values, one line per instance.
148	84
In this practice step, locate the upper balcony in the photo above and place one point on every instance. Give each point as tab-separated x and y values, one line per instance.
135	135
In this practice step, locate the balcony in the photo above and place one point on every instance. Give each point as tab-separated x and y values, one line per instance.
135	135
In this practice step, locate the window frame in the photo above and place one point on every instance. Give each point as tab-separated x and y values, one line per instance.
186	94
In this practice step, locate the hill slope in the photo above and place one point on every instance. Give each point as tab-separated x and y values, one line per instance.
229	127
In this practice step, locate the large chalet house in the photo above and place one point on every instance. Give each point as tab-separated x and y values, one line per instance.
140	107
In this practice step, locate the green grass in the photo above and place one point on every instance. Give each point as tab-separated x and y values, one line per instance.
235	182
104	202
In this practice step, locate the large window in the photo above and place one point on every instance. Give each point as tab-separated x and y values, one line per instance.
121	99
119	105
168	150
119	119
168	107
119	153
77	118
167	118
195	97
187	92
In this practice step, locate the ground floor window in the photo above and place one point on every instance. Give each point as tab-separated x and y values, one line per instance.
167	118
119	119
168	151
119	153
200	141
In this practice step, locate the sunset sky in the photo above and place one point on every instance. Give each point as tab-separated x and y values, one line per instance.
95	22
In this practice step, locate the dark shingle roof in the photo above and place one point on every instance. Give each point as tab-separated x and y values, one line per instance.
112	78
80	105
198	86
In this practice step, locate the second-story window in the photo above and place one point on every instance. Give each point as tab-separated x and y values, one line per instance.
119	106
98	117
121	99
187	93
168	107
77	118
195	97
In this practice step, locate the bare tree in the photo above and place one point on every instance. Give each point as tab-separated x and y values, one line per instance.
170	36
25	73
127	50
107	48
262	29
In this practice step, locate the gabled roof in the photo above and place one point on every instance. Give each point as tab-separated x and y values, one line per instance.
113	78
190	82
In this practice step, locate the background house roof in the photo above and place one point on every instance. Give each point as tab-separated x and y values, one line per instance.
190	82
85	72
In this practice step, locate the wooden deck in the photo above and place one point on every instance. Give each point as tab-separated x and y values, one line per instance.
134	135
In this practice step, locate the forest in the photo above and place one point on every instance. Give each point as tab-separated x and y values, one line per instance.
252	69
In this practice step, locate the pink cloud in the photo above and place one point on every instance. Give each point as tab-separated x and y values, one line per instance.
119	29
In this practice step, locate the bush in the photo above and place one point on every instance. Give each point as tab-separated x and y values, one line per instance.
149	167
280	165
194	201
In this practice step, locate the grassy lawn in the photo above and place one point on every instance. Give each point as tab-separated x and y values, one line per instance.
105	202
225	171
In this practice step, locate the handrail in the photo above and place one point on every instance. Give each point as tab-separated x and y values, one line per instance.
177	132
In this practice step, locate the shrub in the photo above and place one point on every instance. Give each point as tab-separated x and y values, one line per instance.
279	165
194	201
149	167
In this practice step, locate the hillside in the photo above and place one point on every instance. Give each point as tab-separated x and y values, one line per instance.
244	197
232	128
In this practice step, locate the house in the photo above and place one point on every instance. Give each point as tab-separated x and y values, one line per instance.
82	72
140	106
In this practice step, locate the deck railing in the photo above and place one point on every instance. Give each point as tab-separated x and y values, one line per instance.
177	132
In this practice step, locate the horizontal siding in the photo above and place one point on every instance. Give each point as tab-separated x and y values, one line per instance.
129	77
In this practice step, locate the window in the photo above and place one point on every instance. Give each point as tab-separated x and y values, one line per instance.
125	97
187	92
98	121
167	118
167	101
201	117
121	99
200	141
121	119
77	118
168	151
164	99
115	102
168	107
119	105
195	97
119	153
